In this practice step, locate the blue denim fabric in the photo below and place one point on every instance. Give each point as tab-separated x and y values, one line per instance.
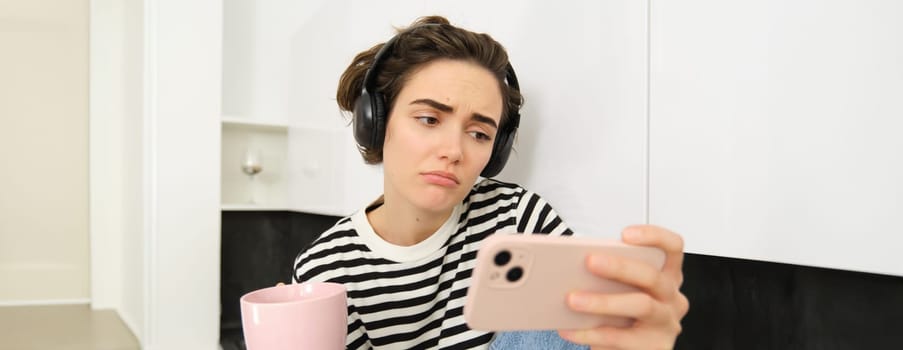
540	340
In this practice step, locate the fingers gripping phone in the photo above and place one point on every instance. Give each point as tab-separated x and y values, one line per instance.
521	281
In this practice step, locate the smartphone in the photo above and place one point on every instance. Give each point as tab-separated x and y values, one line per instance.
521	281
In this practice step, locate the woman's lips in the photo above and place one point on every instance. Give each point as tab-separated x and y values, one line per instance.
441	178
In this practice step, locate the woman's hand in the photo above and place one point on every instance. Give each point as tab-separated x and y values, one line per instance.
657	309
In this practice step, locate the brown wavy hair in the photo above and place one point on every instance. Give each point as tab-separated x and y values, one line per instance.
415	46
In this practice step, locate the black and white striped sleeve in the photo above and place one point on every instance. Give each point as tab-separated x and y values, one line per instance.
535	215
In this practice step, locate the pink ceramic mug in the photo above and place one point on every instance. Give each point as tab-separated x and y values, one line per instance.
298	316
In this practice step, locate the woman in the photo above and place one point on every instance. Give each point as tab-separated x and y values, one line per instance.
438	106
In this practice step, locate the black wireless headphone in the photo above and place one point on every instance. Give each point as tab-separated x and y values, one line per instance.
371	115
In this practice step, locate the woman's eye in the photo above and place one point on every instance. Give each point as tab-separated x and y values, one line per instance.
428	120
480	136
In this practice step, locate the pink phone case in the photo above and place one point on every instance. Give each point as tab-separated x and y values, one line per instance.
550	267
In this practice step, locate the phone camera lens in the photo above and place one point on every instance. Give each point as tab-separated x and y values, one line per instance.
514	274
502	258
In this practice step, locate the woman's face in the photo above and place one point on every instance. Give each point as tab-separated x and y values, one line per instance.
440	133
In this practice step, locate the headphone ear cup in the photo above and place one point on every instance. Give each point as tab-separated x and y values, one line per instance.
369	120
501	149
362	120
380	117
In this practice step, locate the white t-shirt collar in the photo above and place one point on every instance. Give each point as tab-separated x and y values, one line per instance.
399	253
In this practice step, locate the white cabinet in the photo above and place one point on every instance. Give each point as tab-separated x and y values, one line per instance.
775	130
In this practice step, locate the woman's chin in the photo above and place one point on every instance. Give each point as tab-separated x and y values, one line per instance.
438	202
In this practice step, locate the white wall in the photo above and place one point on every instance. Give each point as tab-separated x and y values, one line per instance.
183	62
775	130
106	175
155	102
44	256
134	136
117	160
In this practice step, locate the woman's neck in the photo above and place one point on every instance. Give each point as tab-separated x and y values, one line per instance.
403	224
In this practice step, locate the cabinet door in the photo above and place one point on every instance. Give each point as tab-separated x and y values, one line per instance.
775	130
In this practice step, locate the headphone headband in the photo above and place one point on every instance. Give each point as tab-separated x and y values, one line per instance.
372	72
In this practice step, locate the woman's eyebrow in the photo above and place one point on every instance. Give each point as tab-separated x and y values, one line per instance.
433	103
484	119
448	109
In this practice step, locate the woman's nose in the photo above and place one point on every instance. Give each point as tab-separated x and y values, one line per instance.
451	147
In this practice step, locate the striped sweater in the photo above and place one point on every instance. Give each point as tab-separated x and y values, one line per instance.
412	297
